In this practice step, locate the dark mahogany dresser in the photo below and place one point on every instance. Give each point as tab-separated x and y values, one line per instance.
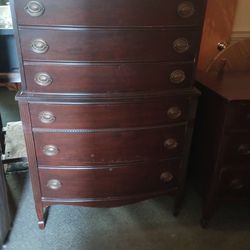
221	145
107	99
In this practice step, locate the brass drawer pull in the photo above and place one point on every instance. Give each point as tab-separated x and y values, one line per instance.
186	9
46	117
171	143
50	150
181	45
39	46
34	8
244	149
54	184
178	76
174	113
43	79
236	184
166	177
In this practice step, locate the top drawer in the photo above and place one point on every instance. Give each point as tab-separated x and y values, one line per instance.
115	13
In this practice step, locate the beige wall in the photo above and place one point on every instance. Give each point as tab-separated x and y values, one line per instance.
242	19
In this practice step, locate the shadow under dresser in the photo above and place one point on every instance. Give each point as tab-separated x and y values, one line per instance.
107	99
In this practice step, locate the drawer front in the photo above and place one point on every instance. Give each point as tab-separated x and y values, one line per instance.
237	149
109	13
235	183
108	182
108	147
110	115
103	78
98	45
239	116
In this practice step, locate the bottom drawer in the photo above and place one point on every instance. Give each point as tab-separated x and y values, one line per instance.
108	181
235	183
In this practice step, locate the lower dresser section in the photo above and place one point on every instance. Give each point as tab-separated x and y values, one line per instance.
109	182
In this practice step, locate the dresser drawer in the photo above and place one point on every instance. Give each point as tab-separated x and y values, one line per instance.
150	112
99	45
107	78
108	182
109	13
235	183
109	146
237	149
239	116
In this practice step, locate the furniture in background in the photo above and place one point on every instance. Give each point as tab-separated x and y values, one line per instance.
107	98
5	220
217	30
221	145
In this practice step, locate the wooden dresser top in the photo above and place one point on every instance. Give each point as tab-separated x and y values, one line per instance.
233	86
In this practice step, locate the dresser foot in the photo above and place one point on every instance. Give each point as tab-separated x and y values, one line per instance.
42	214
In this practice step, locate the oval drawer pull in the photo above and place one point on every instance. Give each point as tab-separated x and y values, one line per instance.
54	184
244	149
181	45
34	8
186	9
174	113
236	184
171	143
39	46
178	76
50	150
166	177
43	79
46	117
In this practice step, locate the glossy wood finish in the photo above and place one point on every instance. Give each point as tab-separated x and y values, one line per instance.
107	100
154	112
217	28
221	140
114	13
109	147
107	78
77	183
109	45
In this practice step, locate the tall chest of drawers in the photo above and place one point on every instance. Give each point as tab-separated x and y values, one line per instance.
107	101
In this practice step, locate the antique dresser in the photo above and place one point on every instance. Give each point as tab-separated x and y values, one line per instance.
221	145
107	99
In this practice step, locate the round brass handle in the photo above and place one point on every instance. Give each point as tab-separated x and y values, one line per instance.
171	143
43	79
39	46
174	113
244	149
46	117
54	184
50	150
166	177
221	46
236	184
181	45
178	76
34	8
186	9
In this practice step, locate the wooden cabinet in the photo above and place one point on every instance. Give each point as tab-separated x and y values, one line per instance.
107	98
221	145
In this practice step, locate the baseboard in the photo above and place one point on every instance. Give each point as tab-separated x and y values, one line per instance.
239	35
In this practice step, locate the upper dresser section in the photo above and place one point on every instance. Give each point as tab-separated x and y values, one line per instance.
112	13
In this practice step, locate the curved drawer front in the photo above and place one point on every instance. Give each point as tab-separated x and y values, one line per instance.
237	149
109	13
108	147
99	45
100	183
103	78
152	112
235	182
